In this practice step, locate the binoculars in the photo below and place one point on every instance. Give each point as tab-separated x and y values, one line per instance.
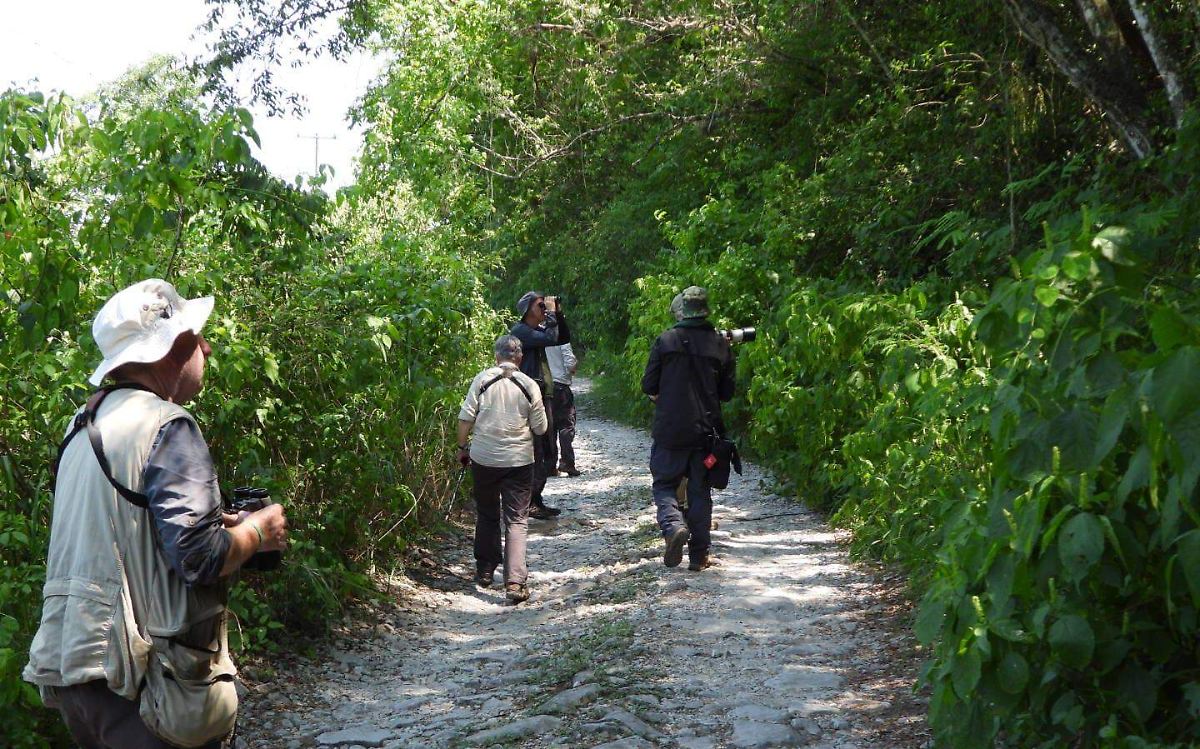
252	499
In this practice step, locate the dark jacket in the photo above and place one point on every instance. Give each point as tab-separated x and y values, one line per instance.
534	342
691	371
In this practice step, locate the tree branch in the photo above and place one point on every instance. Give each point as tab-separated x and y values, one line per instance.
1120	106
1179	93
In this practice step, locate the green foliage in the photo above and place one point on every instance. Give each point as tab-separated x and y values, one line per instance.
853	178
1076	573
341	339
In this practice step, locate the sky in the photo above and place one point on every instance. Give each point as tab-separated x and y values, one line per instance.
74	46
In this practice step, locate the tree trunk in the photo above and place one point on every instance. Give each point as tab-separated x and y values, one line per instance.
1120	105
1098	15
1179	94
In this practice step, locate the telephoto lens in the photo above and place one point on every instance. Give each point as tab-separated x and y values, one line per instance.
740	335
252	499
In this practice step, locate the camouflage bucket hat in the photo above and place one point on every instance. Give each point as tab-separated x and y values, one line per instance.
693	302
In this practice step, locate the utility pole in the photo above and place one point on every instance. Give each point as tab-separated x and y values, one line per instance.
316	139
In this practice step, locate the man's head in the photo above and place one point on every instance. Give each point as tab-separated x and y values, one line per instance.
150	334
693	302
532	308
508	349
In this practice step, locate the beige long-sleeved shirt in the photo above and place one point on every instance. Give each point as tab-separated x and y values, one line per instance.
504	421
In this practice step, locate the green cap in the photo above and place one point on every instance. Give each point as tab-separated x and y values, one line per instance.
693	302
677	307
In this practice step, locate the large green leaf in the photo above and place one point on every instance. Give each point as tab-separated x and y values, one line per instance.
1175	388
1013	673
1170	329
1080	545
965	673
1074	433
1072	640
930	617
1112	423
1188	549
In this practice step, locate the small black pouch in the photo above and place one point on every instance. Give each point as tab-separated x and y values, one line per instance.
726	452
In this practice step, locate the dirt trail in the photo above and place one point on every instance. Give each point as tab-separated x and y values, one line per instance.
786	643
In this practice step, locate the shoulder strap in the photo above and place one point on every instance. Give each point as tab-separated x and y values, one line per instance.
698	378
483	388
86	420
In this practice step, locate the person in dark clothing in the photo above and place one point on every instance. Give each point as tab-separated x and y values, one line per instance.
542	324
689	373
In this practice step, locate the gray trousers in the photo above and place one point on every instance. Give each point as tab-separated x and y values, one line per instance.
502	493
668	468
98	718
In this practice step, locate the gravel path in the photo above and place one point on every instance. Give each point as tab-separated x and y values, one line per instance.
786	643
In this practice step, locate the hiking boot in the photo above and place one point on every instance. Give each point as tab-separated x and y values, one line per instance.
516	592
674	553
540	511
572	471
483	578
699	565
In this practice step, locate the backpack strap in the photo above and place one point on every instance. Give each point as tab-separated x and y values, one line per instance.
86	420
700	390
483	388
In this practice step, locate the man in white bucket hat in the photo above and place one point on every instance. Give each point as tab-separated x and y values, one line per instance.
132	645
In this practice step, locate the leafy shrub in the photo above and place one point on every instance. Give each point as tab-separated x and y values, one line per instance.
342	337
1065	599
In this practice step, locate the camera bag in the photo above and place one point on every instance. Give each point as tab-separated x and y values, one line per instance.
722	449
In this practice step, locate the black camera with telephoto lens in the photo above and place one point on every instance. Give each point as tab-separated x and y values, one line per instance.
253	499
739	335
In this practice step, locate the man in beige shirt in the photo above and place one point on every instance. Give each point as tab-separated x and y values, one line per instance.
504	409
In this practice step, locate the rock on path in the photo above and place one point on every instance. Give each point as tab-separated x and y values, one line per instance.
785	644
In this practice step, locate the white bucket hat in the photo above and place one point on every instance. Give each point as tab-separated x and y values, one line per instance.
141	323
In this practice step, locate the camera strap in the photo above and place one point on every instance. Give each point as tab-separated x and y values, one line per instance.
483	388
86	420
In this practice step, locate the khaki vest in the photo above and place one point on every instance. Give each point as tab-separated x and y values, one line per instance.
111	599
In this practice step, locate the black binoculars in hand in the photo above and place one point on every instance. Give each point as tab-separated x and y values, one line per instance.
252	499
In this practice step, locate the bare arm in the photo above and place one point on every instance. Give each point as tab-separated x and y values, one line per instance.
263	530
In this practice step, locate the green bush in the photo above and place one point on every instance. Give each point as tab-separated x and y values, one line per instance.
342	337
1064	607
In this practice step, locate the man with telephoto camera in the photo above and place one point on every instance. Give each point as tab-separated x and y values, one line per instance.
542	325
132	646
689	373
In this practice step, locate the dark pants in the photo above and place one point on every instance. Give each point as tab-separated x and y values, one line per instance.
100	719
502	491
564	446
543	453
668	468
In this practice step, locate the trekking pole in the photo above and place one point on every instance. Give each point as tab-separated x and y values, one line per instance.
454	493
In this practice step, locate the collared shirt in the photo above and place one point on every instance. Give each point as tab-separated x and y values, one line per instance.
505	421
562	363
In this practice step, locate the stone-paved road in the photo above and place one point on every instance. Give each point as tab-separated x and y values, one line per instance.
786	643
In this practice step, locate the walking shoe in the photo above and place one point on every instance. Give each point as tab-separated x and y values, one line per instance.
483	578
516	592
540	511
572	471
703	564
674	553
